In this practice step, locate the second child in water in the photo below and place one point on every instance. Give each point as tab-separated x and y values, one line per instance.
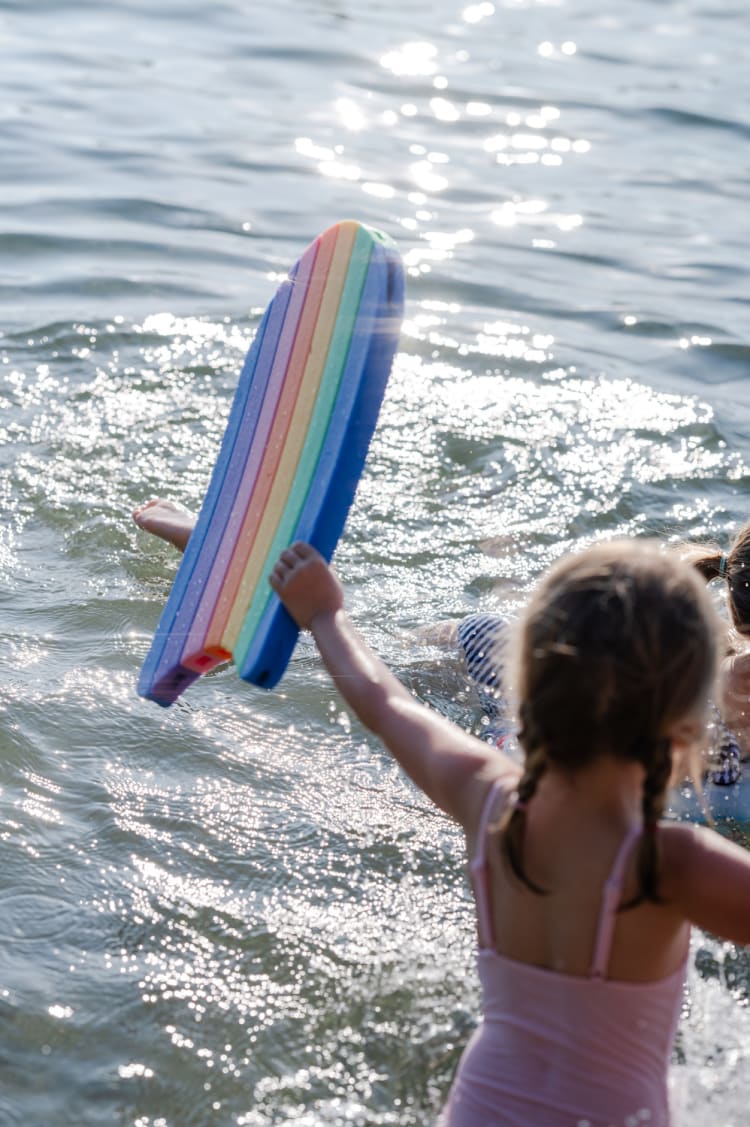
481	640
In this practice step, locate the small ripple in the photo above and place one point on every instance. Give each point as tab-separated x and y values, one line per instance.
32	917
692	120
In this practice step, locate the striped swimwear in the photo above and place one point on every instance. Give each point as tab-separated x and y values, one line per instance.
725	756
482	640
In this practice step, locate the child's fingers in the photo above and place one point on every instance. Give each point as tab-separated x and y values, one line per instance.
290	559
281	571
284	566
299	552
303	550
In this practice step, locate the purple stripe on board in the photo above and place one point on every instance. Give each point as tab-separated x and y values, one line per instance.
197	544
205	561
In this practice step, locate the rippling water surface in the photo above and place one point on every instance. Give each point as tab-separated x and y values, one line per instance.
237	911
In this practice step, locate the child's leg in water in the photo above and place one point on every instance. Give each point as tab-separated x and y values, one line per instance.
167	521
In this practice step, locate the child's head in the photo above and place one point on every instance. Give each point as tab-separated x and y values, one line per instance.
618	645
732	566
617	650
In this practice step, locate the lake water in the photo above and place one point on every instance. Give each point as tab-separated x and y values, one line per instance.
237	911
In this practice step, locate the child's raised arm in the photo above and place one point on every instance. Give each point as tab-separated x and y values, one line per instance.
451	767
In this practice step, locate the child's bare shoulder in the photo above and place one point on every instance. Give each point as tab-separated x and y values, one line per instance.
690	852
681	841
708	877
676	845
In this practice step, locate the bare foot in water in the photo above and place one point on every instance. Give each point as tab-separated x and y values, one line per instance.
167	521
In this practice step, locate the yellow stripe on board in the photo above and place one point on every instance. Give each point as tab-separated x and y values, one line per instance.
295	436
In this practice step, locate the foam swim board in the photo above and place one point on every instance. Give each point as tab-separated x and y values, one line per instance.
292	454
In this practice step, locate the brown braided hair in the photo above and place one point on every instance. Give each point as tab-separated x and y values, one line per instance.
735	570
617	645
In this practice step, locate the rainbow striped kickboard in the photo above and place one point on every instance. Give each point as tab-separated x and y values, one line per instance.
293	450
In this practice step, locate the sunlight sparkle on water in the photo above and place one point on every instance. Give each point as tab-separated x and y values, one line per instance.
444	110
350	114
25	650
423	174
382	191
423	324
340	169
593	441
436	247
533	213
39	808
477	12
478	109
306	147
537	147
414	60
514	342
134	1069
192	328
59	1012
694	341
548	50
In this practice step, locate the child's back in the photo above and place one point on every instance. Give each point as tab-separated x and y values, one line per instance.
577	1026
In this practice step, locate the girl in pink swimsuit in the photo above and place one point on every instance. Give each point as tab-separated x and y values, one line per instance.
585	897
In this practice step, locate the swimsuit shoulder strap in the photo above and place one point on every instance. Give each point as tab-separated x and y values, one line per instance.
610	903
479	869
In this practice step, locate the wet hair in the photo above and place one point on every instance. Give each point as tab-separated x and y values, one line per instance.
618	643
733	566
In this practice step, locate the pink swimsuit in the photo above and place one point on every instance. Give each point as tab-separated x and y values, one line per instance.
558	1050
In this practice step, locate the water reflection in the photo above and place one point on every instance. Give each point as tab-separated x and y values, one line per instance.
244	887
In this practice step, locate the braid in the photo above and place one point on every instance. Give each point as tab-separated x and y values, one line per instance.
733	566
659	769
705	558
738	584
514	823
